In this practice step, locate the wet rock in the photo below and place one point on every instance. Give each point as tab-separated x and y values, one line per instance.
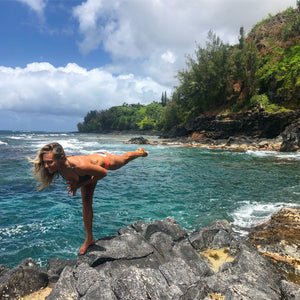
22	280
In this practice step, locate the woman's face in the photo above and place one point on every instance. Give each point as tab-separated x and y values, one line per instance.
50	163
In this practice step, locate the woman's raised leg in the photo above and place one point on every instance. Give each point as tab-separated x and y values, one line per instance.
87	192
118	161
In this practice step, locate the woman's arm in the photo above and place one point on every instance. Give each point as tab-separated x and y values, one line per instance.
96	172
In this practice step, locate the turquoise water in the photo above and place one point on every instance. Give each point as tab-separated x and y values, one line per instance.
195	186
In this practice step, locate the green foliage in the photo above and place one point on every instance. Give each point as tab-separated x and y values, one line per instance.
172	116
204	84
125	117
282	76
259	101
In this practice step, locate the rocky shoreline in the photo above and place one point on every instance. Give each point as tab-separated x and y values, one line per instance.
244	131
159	260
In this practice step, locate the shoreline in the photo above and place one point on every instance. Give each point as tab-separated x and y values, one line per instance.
232	143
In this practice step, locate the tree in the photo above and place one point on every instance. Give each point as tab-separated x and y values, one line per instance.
242	38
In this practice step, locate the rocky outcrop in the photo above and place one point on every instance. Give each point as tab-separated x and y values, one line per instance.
251	124
291	138
159	260
279	239
22	280
138	140
254	125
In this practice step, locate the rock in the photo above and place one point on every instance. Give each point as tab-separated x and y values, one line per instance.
279	239
3	270
159	260
291	138
22	280
65	287
138	140
218	235
251	124
55	266
250	270
135	283
126	246
290	291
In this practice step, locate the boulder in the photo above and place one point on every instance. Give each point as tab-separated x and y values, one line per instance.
291	138
25	278
138	140
218	235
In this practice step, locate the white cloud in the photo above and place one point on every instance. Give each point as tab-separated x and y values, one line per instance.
169	57
141	35
36	5
71	90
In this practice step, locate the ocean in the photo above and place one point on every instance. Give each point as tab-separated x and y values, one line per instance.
193	185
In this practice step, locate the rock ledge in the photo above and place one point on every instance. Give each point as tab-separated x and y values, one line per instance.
159	260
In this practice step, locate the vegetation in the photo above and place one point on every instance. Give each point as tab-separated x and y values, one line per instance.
125	117
261	72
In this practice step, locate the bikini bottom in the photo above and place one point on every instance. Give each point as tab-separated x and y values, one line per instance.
106	166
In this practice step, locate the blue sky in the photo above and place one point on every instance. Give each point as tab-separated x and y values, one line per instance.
60	59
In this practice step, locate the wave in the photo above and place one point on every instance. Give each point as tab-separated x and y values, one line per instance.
274	154
252	214
3	143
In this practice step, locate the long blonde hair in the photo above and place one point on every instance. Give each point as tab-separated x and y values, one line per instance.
39	171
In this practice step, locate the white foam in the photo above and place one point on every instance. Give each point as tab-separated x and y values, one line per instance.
252	214
275	154
3	143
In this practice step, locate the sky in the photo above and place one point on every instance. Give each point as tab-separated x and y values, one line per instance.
60	59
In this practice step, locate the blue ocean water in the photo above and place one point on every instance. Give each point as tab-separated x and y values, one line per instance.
195	186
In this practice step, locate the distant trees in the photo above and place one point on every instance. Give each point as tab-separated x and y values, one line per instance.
204	84
125	117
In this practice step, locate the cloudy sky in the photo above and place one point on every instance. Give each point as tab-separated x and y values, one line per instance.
60	59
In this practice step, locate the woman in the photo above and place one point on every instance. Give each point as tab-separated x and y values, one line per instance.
80	172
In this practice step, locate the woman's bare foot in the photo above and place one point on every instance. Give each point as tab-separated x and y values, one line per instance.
85	246
143	152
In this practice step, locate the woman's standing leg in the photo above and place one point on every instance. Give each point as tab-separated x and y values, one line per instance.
87	192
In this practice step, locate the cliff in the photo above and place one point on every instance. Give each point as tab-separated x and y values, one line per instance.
251	126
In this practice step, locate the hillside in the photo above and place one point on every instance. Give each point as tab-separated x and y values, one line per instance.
260	73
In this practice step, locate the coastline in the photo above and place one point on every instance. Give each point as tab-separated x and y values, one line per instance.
241	131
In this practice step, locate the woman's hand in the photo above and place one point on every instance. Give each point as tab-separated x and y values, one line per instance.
72	186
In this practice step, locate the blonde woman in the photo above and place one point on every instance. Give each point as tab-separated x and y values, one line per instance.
80	172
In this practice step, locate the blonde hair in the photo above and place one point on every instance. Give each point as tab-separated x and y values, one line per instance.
39	171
